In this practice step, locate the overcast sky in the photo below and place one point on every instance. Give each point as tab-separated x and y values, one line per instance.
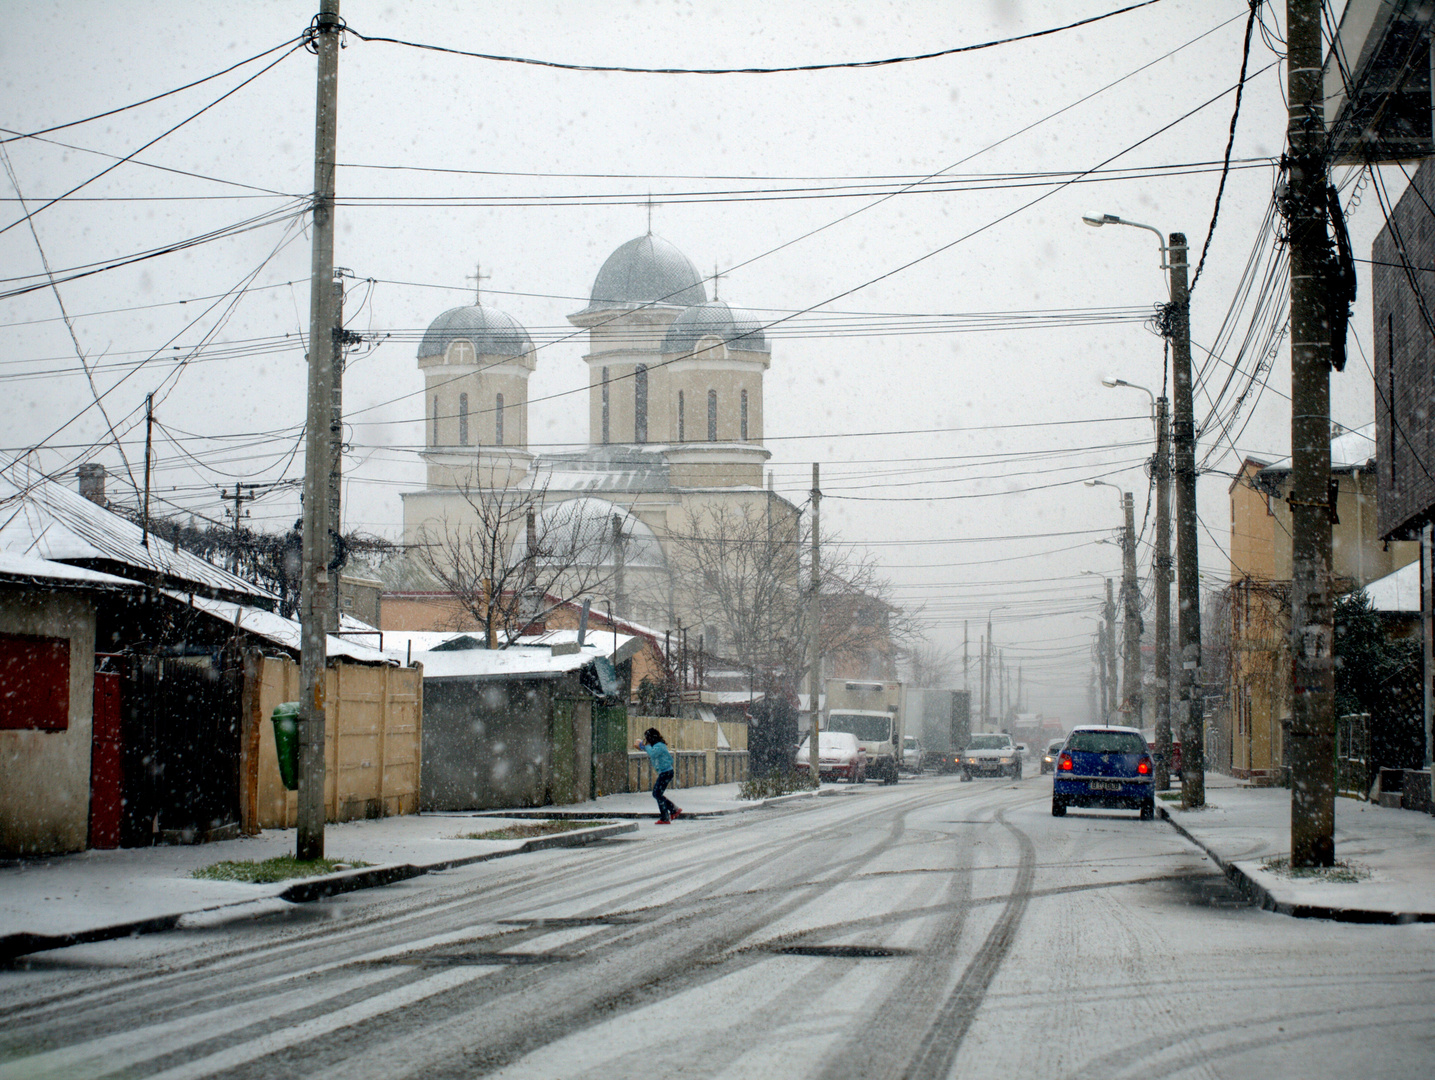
934	428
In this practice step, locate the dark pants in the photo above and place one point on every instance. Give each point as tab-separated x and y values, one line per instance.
666	806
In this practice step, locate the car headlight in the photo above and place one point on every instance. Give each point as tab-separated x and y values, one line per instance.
1006	761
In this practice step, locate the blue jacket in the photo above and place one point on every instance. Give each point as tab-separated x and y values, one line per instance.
660	756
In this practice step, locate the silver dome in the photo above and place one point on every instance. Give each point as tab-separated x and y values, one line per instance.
647	270
737	328
492	332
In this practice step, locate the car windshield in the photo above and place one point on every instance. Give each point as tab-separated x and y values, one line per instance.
910	743
866	728
989	742
1107	742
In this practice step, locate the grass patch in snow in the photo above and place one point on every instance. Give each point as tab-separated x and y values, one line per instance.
530	830
1343	871
1169	796
784	782
279	868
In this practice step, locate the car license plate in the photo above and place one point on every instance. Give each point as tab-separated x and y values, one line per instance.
1105	785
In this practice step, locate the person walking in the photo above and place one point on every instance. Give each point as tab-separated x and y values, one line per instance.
662	758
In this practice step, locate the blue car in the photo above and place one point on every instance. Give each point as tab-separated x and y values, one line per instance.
1105	767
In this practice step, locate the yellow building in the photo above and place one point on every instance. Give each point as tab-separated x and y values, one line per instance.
675	433
1258	599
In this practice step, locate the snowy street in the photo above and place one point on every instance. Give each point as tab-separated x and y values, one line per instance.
933	929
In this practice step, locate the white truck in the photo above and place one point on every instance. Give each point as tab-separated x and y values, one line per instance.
872	711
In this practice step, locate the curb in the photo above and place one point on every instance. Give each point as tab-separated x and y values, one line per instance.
649	815
1261	896
13	946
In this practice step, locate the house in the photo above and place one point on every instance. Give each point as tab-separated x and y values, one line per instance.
179	660
535	724
1249	731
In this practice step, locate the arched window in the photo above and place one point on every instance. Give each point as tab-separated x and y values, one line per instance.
712	416
435	420
605	406
742	415
498	421
640	403
462	419
682	434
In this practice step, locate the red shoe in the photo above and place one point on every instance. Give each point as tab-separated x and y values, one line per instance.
677	812
663	821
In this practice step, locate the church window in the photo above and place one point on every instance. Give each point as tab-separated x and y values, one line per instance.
712	416
462	419
498	421
435	420
640	403
682	434
742	415
605	406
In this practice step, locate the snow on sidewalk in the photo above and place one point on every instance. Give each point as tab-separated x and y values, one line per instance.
1392	852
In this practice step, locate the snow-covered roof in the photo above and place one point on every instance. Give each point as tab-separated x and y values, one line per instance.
519	661
1351	449
1398	591
34	568
279	630
41	517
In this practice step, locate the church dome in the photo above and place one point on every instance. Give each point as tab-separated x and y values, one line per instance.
736	328
579	532
492	332
647	270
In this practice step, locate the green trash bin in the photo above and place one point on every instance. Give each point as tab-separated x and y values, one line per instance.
286	742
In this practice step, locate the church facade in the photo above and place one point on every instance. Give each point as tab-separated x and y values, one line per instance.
674	440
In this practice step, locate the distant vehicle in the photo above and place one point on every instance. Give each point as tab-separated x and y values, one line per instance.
839	757
1048	759
1150	737
873	712
1022	750
914	756
991	754
1105	767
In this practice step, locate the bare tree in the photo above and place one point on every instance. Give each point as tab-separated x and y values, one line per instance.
932	666
508	563
742	569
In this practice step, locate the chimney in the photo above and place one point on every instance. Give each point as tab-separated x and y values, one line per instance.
92	483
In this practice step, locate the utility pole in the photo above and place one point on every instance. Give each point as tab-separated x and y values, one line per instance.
239	513
983	694
336	451
1113	701
1163	597
148	454
314	592
1188	591
964	658
1131	619
1101	672
1312	751
814	623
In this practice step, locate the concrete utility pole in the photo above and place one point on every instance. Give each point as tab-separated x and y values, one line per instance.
1101	672
1163	596
1312	751
983	694
314	592
814	621
1131	618
965	640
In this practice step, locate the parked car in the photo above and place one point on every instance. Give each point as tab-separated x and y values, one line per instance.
1048	759
1105	767
914	756
839	757
991	754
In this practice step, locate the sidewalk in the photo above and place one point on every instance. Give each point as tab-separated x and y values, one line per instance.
1391	851
99	895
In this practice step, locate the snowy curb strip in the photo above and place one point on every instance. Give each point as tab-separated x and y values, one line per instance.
649	815
16	945
1257	892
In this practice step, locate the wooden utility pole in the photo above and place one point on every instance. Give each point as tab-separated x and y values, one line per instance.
814	623
1312	750
1162	574
1188	590
314	592
1132	699
333	558
148	456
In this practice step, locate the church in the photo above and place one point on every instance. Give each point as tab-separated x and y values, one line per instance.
674	440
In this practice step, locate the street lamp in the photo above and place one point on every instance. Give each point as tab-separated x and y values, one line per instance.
1176	326
986	663
1162	582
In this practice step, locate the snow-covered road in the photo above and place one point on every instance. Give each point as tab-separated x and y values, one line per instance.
928	930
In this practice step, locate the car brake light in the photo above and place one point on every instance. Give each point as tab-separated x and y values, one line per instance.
1065	765
1143	767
